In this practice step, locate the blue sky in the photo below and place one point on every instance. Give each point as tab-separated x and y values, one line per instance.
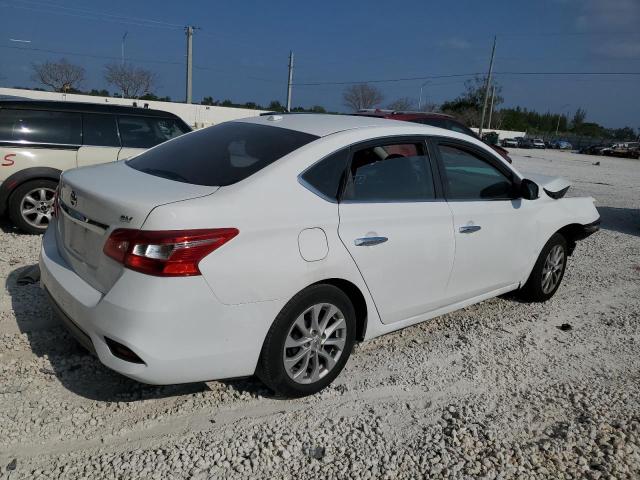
241	49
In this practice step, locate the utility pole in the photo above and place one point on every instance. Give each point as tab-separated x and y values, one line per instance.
486	87
290	82
124	37
493	97
189	31
560	116
420	98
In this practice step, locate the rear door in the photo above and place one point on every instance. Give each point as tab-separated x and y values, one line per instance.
139	133
492	226
100	141
397	227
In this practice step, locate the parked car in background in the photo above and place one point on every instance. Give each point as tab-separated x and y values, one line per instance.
624	150
510	142
270	245
595	149
434	119
525	143
538	143
40	139
561	145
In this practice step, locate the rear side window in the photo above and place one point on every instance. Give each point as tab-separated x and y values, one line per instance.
147	132
387	173
220	155
40	126
99	130
326	176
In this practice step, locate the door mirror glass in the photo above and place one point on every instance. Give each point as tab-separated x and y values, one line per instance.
529	189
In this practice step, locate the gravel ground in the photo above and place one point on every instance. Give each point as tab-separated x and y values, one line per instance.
496	390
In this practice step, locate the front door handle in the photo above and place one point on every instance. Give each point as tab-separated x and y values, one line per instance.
469	228
368	241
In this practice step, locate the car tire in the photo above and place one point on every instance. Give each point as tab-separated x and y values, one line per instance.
547	273
305	348
37	196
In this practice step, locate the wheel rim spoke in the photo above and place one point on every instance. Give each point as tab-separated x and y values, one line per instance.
314	343
553	268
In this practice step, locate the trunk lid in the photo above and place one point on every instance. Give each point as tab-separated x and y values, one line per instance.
94	201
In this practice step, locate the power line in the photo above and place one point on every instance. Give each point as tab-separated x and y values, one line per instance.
89	55
426	77
136	60
87	14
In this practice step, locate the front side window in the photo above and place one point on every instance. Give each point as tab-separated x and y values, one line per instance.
394	172
220	155
147	132
40	126
470	177
99	130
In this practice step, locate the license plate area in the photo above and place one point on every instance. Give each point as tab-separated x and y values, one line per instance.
81	242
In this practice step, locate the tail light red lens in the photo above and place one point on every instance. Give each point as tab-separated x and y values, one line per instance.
171	253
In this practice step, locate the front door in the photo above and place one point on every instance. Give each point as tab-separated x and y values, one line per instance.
397	228
492	224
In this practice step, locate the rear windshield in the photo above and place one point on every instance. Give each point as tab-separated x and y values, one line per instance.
220	155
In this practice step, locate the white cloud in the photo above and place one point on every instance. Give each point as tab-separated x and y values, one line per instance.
619	49
608	14
455	43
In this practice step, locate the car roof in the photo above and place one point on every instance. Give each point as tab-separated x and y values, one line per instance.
83	107
322	124
403	115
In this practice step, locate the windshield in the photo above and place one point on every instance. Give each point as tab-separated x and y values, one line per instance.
220	155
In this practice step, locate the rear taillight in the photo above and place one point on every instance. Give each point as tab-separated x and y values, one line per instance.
171	253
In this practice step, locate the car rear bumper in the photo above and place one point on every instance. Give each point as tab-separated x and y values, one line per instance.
176	326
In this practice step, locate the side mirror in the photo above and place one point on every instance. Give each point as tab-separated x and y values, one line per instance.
529	189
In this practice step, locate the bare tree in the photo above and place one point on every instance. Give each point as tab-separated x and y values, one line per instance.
361	96
62	76
132	81
404	103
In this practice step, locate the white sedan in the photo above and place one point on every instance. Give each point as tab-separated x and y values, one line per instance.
270	245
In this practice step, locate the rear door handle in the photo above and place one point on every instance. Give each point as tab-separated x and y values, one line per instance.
369	241
469	228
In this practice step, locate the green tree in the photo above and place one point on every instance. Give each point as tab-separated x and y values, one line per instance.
468	105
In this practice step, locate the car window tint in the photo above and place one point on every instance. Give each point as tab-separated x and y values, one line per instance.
220	155
326	175
147	132
41	126
468	176
397	172
99	130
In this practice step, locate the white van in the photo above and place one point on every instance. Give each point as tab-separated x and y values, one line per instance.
40	139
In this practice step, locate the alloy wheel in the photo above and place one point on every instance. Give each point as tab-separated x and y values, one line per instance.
552	270
315	342
36	207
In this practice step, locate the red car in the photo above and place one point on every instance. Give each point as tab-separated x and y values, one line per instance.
430	118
